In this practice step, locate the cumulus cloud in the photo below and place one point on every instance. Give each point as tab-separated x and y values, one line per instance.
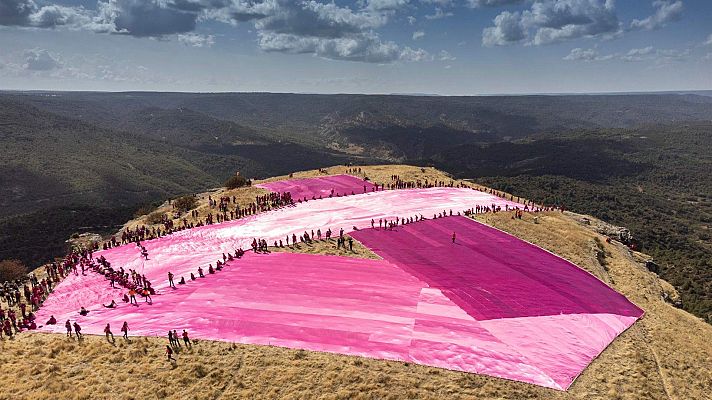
330	31
40	60
146	18
665	11
16	12
26	13
325	29
550	21
418	35
312	18
412	20
508	29
366	48
54	15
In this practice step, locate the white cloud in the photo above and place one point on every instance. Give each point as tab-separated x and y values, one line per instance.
386	5
445	56
411	20
640	54
439	14
196	40
665	11
550	21
507	29
418	35
644	54
325	29
365	48
40	60
709	40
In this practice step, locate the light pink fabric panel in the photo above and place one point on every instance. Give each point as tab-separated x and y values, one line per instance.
307	188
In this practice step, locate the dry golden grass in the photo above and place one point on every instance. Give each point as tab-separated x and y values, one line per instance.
666	355
328	247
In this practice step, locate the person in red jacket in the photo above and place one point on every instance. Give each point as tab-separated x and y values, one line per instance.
169	353
125	330
77	330
107	332
68	325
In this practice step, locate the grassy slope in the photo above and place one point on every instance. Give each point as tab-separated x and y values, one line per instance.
665	355
378	174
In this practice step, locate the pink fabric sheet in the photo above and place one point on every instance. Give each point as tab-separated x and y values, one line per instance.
182	252
371	308
491	274
307	188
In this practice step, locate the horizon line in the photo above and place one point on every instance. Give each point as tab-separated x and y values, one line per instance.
632	92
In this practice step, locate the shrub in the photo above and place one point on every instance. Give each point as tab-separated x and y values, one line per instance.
145	210
155	217
11	270
236	181
184	203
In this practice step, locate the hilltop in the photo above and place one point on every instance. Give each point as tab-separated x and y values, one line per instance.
664	355
78	162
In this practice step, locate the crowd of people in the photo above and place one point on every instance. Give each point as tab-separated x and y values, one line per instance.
23	298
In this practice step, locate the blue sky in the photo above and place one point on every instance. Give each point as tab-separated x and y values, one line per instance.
449	47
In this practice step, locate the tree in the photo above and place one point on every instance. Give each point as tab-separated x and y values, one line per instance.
11	270
185	203
236	181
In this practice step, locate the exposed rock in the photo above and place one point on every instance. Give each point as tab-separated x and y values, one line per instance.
84	239
669	294
618	233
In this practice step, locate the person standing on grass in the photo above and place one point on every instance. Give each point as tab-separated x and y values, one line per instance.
125	330
68	325
453	238
186	339
107	332
77	330
170	280
169	353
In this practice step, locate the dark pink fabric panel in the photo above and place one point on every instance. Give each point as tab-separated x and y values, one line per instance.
491	274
